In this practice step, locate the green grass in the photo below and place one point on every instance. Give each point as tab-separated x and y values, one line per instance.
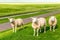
32	7
30	15
26	33
6	9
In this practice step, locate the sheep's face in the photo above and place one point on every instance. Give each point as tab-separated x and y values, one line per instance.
34	19
11	19
52	18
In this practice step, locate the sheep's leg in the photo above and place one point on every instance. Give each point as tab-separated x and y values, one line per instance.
15	28
37	32
40	29
50	28
53	28
34	33
44	29
12	27
22	24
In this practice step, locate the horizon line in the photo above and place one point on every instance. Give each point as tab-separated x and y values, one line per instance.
28	3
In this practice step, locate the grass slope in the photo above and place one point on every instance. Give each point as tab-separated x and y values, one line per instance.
27	33
29	15
6	9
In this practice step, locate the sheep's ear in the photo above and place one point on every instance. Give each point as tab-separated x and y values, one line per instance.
8	18
37	19
31	17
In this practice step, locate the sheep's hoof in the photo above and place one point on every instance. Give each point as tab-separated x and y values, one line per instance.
40	31
44	31
33	34
50	30
15	31
53	30
37	35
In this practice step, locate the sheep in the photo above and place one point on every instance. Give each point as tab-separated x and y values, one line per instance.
42	23
52	22
35	25
15	23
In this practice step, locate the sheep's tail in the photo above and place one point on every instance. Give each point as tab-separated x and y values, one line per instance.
22	24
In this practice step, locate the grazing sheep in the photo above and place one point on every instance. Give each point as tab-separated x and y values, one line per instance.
15	23
35	25
42	23
52	22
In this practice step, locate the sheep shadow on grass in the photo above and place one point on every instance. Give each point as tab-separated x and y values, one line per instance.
56	27
22	28
42	29
47	28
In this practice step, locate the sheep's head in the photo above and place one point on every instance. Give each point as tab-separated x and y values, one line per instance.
52	18
34	19
11	19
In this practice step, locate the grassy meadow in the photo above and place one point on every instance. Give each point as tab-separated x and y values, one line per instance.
6	10
27	15
26	33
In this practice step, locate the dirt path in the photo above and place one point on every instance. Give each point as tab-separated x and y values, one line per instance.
7	25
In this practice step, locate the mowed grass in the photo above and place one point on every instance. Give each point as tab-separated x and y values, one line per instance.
6	9
26	33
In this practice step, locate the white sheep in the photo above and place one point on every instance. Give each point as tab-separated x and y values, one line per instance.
42	23
15	23
35	25
52	22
